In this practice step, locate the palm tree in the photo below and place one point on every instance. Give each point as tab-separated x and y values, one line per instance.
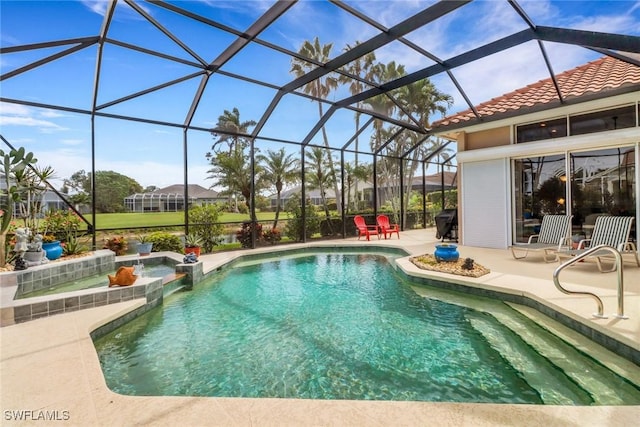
233	172
317	177
421	99
278	168
361	67
382	104
230	129
353	173
319	88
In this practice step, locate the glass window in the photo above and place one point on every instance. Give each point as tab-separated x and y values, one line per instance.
617	118
547	129
602	183
540	189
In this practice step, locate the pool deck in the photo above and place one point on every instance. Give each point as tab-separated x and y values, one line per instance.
49	367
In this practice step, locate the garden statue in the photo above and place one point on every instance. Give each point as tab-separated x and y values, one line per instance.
36	245
124	277
22	236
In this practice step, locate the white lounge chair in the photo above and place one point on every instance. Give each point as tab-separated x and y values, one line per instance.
555	232
613	231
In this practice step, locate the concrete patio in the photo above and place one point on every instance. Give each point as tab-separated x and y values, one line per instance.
49	366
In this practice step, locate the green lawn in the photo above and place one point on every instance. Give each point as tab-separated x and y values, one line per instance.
158	219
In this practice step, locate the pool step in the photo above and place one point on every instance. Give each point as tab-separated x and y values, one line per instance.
171	277
595	380
561	391
623	367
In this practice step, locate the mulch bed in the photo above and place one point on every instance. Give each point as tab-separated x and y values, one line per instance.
10	267
428	262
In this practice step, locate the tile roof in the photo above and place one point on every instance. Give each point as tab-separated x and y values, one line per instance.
195	191
596	77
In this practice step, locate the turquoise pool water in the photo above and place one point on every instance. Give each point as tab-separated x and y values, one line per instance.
334	326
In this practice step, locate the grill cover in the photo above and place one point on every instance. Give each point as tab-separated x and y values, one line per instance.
447	224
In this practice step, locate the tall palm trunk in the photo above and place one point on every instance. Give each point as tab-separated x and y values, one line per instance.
332	168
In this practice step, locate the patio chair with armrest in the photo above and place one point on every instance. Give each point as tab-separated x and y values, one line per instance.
364	229
613	231
555	232
386	228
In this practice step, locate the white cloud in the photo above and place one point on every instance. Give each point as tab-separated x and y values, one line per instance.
20	115
43	125
50	113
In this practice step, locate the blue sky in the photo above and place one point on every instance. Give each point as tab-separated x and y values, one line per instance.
153	154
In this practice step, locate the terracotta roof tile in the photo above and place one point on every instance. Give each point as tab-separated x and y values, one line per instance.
601	75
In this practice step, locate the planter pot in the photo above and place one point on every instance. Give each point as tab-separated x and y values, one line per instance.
446	253
53	250
144	248
192	250
34	257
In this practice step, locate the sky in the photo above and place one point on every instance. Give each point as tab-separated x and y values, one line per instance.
153	154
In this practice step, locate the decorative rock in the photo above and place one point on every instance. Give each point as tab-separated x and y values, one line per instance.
190	258
20	264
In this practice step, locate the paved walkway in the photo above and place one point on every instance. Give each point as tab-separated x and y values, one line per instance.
49	367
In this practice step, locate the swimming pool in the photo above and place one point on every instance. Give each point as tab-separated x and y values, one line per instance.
338	326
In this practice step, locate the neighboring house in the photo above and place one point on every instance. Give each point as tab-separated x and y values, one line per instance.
171	199
432	183
50	200
536	152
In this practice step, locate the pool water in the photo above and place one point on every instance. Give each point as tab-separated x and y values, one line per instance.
333	326
97	281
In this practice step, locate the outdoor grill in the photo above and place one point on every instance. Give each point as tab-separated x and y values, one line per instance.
447	224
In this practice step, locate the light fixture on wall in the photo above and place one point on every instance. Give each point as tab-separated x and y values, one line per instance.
560	201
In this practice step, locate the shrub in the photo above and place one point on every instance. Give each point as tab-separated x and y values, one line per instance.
293	228
243	235
203	221
163	241
116	244
62	223
272	236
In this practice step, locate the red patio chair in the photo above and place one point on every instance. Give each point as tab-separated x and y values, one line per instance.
386	228
364	229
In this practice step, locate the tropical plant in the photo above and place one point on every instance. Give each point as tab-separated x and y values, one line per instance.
320	89
192	240
164	241
62	222
116	244
317	176
11	192
354	173
245	234
362	67
72	245
231	168
204	221
278	169
231	130
272	236
49	238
